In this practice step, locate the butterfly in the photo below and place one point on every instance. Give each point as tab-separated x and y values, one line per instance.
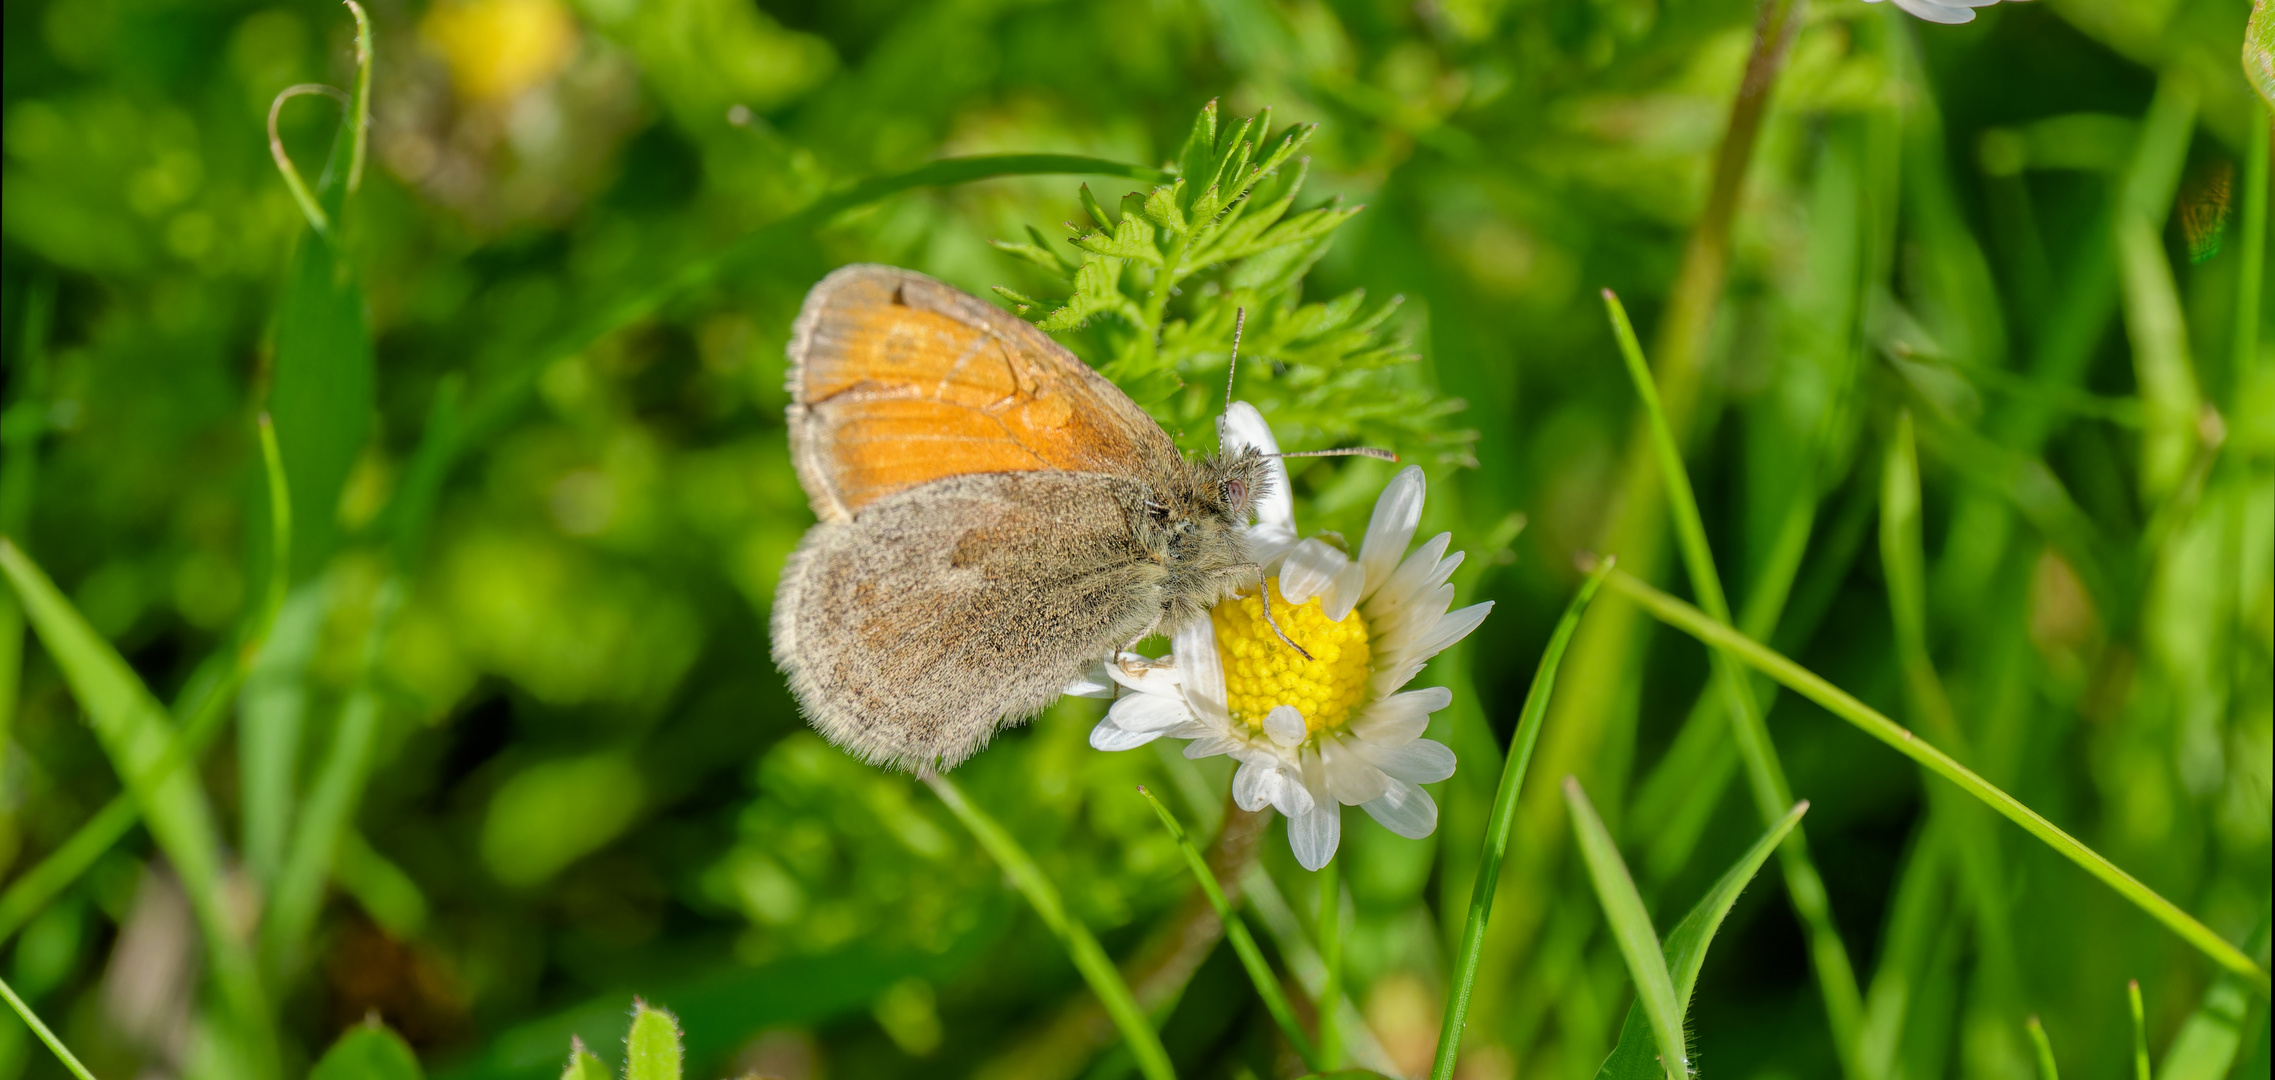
994	518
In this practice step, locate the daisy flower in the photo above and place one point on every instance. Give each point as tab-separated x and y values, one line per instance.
1312	736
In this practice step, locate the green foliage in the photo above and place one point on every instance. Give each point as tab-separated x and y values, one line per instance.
1636	1054
1964	374
368	1052
582	1065
651	1049
1164	281
1631	927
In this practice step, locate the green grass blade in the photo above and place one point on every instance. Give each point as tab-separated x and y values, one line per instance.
368	1052
1089	958
2206	1046
332	800
1840	703
1504	820
1635	1055
202	710
652	1049
1765	774
2251	266
32	1020
2140	1030
141	741
2046	1069
1236	931
582	1064
1631	928
1686	944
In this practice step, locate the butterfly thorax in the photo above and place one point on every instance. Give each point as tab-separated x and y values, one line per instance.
1192	520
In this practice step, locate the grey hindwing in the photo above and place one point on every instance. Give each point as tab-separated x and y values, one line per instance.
938	615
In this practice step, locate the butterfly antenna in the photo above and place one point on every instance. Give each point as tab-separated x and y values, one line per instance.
1376	453
1231	368
1266	589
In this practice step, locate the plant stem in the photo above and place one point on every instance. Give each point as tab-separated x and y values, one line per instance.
1089	958
1243	944
1872	722
1504	818
1331	957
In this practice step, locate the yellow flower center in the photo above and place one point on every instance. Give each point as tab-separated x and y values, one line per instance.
1261	672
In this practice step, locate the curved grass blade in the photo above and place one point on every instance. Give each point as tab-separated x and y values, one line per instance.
140	739
1504	819
1809	684
32	1020
1631	928
1836	978
1685	951
1089	958
203	708
1236	932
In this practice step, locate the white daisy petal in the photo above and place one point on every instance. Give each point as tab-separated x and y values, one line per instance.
1211	745
1351	779
1094	683
1242	426
1423	761
1399	719
1253	786
1285	725
1399	631
1937	13
1313	836
1143	675
1148	712
1396	514
1419	574
1404	809
1310	568
1110	736
1453	627
1201	671
1342	594
1393	674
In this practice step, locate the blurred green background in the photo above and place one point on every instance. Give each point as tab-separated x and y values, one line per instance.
2029	239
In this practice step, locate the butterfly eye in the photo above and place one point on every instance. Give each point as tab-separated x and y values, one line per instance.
1236	493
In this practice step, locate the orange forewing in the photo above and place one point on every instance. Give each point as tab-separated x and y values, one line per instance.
897	380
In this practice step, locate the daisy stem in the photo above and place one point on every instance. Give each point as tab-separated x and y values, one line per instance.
1243	943
32	1020
1504	819
1331	957
1089	958
1839	702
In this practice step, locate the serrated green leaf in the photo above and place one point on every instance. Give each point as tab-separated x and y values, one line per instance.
652	1050
1099	218
368	1052
1200	143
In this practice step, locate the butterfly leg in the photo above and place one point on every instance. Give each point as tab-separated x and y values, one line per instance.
1264	585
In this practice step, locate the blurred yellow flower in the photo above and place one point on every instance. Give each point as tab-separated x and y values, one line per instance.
498	48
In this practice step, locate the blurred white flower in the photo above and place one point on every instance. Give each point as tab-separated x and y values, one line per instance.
1312	736
1942	11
